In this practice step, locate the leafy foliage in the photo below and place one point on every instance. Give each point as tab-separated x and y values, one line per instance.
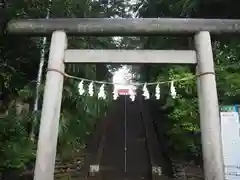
20	58
183	118
18	70
16	149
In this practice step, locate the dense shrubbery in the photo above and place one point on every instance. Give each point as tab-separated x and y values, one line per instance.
18	69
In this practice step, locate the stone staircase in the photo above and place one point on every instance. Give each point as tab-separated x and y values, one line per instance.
69	170
72	169
187	171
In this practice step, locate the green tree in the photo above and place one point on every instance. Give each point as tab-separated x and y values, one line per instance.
19	62
183	116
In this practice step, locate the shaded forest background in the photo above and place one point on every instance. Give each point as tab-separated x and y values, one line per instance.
19	62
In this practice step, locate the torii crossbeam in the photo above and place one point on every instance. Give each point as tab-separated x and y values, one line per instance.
122	27
202	57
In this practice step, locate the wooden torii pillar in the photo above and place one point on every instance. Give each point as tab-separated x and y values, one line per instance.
59	54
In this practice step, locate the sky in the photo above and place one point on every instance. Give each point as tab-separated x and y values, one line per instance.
117	77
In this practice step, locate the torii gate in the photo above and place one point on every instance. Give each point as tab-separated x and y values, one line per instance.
202	56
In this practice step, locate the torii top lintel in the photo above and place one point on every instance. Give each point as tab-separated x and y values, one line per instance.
122	27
